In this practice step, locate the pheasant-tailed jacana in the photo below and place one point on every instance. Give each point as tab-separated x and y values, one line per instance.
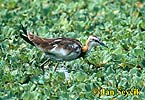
61	49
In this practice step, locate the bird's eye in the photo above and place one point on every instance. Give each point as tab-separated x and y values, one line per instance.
95	40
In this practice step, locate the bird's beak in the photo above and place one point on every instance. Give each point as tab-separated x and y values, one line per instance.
101	43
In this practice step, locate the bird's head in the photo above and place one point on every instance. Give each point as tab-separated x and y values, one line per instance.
94	41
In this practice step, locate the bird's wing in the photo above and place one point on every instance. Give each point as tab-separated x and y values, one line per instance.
60	45
48	44
65	48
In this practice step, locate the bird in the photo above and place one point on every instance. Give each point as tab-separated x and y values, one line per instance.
62	48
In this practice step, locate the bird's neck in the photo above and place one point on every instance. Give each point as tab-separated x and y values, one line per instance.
87	47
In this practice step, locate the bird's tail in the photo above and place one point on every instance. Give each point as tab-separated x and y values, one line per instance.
25	37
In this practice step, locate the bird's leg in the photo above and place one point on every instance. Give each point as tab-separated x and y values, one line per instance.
42	65
55	67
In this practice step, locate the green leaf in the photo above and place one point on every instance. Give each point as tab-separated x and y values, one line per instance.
81	76
138	52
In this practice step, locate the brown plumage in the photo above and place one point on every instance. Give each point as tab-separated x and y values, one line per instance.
61	49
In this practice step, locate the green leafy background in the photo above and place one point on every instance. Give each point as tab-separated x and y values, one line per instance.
120	24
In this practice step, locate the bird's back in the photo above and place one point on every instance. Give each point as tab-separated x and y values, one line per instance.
60	49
